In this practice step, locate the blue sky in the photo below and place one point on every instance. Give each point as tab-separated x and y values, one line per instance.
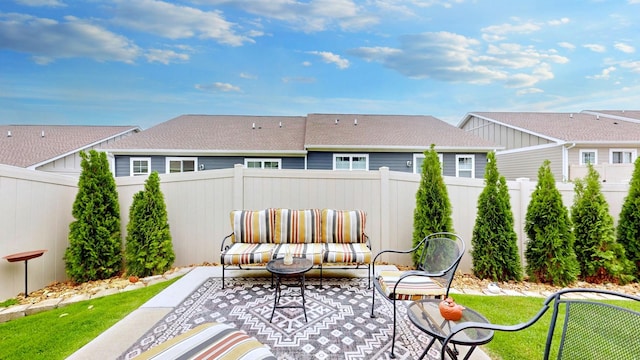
142	62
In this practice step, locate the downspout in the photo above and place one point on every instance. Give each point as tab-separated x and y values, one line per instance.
565	162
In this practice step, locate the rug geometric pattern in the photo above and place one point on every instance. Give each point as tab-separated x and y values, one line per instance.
339	324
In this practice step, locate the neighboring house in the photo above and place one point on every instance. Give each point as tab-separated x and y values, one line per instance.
55	148
316	141
607	139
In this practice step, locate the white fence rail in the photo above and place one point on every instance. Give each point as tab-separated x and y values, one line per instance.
36	210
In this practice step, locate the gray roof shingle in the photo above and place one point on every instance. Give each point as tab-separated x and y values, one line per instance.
296	134
28	145
568	127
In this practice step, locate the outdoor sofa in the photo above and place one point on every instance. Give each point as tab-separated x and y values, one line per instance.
326	236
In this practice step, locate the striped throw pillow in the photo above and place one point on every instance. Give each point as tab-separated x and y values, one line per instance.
297	226
253	227
343	226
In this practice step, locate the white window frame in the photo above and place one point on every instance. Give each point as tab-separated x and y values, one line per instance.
420	156
131	167
351	156
473	164
181	159
262	161
632	151
595	157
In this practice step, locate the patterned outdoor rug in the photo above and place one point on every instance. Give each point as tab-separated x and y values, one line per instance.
339	325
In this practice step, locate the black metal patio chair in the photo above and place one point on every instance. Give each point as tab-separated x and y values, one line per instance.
441	254
583	325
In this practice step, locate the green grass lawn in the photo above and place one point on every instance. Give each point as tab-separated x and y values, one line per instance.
58	333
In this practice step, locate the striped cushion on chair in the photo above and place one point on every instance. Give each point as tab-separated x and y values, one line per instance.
252	227
309	251
240	254
212	341
347	253
342	226
410	288
297	226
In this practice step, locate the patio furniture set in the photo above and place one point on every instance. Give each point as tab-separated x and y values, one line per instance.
584	327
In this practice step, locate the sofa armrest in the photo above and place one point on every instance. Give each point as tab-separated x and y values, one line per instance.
224	248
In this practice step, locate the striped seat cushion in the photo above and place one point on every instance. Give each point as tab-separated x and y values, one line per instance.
410	288
297	226
309	251
241	253
347	253
343	226
212	341
252	227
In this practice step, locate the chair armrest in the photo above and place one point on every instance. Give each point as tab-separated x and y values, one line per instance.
399	251
223	248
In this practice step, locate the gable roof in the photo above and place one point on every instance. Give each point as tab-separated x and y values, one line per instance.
202	134
294	135
388	132
33	145
565	127
626	115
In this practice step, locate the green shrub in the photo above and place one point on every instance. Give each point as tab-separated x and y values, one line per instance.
148	250
628	234
549	253
494	242
600	257
433	208
95	246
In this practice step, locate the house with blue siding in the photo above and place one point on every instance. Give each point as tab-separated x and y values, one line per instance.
339	142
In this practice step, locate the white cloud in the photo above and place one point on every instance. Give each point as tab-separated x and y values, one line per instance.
634	66
604	75
625	48
527	91
306	63
165	56
218	86
48	39
38	3
561	21
177	22
567	45
452	57
331	58
504	29
595	47
308	16
248	76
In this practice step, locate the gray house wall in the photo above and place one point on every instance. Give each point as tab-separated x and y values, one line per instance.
316	160
505	136
525	164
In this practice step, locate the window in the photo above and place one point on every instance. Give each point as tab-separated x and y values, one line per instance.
178	165
263	163
417	163
350	162
588	156
465	166
139	166
622	156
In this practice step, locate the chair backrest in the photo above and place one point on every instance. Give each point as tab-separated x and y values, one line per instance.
582	328
440	256
584	324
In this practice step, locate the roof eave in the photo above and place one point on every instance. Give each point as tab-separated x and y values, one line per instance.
202	152
393	148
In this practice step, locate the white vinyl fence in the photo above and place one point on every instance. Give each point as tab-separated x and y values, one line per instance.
36	210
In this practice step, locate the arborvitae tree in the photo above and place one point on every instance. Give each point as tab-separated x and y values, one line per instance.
95	246
549	253
494	242
628	234
600	257
433	208
149	250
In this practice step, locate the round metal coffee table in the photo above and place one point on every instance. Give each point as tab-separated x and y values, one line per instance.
425	314
297	271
